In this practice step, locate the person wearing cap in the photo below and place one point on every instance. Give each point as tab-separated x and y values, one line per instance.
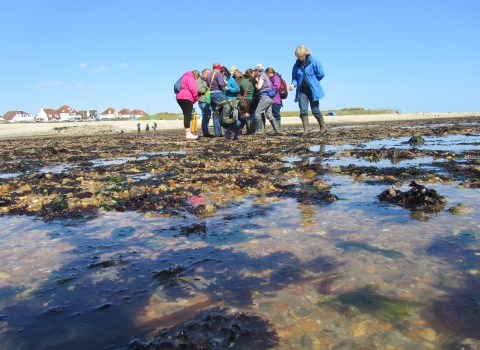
216	83
306	75
204	107
265	101
231	89
239	77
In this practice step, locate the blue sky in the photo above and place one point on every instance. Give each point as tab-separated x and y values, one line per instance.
410	55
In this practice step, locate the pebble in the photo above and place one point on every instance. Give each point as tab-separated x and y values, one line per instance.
428	334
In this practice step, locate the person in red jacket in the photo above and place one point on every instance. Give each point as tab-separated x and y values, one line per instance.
186	97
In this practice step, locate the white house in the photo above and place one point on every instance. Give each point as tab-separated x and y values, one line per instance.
47	114
67	113
109	113
125	113
17	116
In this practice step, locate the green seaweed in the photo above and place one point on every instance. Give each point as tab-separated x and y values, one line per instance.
356	246
367	301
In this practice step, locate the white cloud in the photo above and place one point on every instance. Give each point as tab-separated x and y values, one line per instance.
123	65
83	86
99	69
83	64
49	83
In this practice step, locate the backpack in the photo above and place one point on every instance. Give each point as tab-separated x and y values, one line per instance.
283	88
177	86
227	111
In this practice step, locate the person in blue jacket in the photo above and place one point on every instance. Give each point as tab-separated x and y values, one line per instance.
231	89
306	75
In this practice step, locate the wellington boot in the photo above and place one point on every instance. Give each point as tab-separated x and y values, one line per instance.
253	127
321	123
249	127
259	127
306	126
189	136
276	127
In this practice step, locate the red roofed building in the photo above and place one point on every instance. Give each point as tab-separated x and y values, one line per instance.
17	116
109	113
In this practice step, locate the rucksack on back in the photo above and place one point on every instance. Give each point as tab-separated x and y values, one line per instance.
177	86
283	88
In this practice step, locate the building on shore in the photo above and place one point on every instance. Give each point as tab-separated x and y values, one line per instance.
17	116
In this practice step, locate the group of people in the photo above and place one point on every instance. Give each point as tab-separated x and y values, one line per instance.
250	98
147	127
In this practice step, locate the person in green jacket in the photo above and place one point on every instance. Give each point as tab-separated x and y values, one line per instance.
248	92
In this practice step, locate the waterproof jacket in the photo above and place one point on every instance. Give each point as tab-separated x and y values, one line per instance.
202	88
275	83
312	68
188	91
232	88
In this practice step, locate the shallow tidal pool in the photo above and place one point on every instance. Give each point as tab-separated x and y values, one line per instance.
263	271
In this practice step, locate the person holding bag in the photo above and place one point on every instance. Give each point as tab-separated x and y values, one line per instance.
275	82
204	101
248	93
186	97
265	94
216	83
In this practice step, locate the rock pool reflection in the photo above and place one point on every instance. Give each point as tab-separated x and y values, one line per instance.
316	261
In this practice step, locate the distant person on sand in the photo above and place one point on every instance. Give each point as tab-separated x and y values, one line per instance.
138	127
306	75
186	97
147	127
154	126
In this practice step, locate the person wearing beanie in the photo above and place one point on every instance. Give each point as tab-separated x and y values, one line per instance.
306	75
186	97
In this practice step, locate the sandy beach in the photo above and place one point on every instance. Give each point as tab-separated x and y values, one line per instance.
16	130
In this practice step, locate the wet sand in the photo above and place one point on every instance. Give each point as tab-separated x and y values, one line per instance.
8	130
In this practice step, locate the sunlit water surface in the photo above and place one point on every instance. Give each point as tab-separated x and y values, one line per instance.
274	257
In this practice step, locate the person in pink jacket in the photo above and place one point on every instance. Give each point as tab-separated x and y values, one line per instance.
186	97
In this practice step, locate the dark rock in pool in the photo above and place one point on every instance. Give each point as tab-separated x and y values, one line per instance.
416	140
419	197
202	210
216	329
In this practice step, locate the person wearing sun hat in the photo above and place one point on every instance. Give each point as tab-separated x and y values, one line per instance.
216	83
265	101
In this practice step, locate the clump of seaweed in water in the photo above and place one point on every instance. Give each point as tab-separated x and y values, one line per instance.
216	329
419	197
366	300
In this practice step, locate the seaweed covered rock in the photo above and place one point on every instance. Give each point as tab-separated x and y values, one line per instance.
216	329
416	140
419	197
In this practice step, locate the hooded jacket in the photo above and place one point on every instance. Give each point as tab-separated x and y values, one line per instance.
188	91
275	83
312	68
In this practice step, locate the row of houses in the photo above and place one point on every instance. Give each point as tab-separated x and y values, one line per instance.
66	113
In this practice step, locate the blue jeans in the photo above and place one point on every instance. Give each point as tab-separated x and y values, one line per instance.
276	111
235	127
206	112
216	98
303	100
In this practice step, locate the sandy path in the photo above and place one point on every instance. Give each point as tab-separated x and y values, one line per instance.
38	129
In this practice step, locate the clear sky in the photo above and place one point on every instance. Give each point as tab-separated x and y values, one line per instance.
411	55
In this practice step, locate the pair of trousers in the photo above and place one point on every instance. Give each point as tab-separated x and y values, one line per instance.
303	101
216	97
264	105
187	108
276	111
206	112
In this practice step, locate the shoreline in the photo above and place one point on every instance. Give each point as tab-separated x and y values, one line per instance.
19	130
